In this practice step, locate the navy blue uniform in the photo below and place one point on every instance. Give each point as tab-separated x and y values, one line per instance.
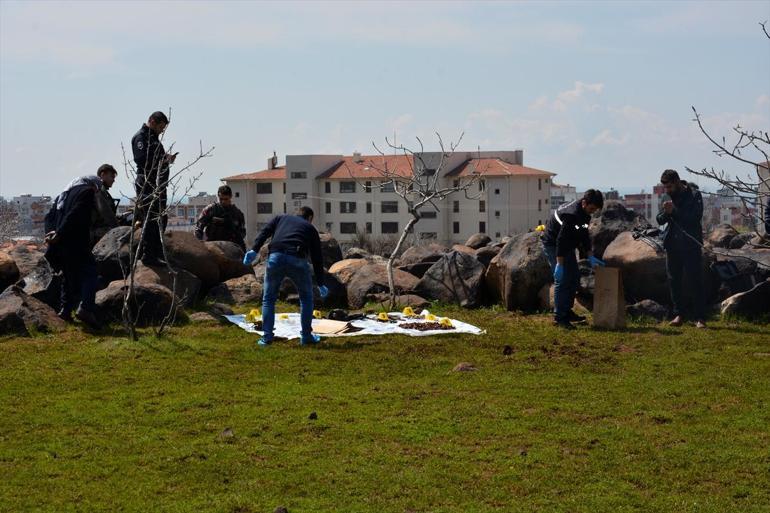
152	175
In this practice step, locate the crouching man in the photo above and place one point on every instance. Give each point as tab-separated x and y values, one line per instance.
294	238
565	232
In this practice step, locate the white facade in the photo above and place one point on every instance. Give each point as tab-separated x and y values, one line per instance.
561	194
348	196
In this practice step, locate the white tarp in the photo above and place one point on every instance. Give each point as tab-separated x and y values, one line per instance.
289	327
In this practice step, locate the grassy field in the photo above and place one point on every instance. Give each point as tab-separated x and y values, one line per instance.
647	419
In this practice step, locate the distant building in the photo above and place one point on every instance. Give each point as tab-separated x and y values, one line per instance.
726	207
645	203
561	194
612	194
350	196
184	216
31	212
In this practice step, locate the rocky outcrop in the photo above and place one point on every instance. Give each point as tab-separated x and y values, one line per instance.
518	272
643	268
229	259
9	271
185	251
345	269
487	253
422	253
372	279
187	286
152	302
720	236
244	290
752	304
26	257
418	269
112	253
478	240
456	278
22	314
614	219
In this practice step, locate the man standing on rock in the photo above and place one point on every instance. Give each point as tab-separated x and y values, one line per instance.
293	238
565	232
103	218
152	174
683	241
222	220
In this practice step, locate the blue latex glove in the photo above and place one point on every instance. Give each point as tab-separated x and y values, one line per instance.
558	272
323	291
595	261
249	257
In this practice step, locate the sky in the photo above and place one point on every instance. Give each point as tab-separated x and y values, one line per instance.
599	92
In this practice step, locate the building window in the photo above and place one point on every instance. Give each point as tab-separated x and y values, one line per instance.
284	187
368	186
456	206
456	227
482	185
348	227
264	208
539	222
328	207
388	187
497	235
482	206
389	227
368	207
328	187
497	213
497	191
389	207
428	214
298	175
455	183
347	186
298	195
237	194
428	172
284	207
329	227
180	211
539	205
482	227
264	188
539	184
368	227
546	201
347	207
428	235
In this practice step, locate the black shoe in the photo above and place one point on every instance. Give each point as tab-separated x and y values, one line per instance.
65	315
564	325
88	318
573	317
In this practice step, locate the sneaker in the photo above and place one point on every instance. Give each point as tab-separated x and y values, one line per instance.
573	317
263	342
564	325
88	318
313	340
677	321
700	325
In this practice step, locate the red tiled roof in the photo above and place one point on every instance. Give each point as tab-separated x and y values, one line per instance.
496	167
279	173
369	166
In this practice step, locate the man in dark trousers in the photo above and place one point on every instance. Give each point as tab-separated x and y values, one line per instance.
222	220
566	231
294	238
683	241
68	236
152	174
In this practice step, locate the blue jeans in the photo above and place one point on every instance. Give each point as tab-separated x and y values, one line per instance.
567	287
280	266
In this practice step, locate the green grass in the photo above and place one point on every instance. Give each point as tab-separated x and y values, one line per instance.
647	419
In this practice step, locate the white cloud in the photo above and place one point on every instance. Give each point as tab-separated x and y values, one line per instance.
762	100
605	138
565	98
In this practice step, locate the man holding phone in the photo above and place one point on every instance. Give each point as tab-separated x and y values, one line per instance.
152	174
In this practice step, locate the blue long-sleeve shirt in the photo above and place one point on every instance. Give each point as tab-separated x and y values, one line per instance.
293	235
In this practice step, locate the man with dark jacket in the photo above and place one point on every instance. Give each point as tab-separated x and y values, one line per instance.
565	232
293	239
683	241
222	220
104	216
68	236
152	174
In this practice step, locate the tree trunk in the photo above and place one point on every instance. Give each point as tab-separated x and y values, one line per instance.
391	284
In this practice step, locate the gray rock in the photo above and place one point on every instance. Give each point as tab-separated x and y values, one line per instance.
751	304
229	259
372	279
422	253
455	278
353	253
112	253
152	302
741	240
184	284
237	291
647	308
22	314
42	283
478	240
614	219
9	271
720	236
330	250
185	251
517	274
418	269
487	253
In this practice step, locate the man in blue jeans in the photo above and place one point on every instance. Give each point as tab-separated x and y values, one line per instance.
566	231
294	238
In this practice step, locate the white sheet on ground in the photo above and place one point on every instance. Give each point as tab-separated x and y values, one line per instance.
289	327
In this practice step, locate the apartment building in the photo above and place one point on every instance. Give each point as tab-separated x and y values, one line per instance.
350	194
31	212
561	194
645	203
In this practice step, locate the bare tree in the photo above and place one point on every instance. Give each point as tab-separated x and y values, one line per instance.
748	147
422	183
152	205
9	221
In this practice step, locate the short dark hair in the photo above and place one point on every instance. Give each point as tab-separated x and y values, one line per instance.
159	117
594	197
669	176
106	168
225	190
305	212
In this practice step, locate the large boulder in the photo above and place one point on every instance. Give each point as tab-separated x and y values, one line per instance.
336	297
22	314
643	267
345	269
244	290
518	272
355	253
487	253
112	253
614	219
721	236
186	288
229	259
187	252
422	253
647	308
463	249
330	249
151	303
457	278
752	304
402	301
741	240
418	269
26	257
478	240
42	283
9	271
372	278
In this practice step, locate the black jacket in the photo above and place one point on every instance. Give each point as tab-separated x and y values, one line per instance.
73	227
217	222
567	229
683	230
295	236
149	156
